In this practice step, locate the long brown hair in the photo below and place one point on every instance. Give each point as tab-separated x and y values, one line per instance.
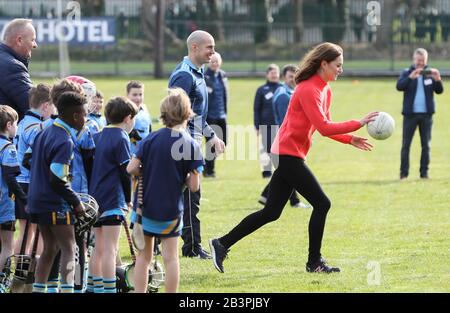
310	63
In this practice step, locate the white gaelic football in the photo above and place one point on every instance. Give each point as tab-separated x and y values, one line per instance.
382	127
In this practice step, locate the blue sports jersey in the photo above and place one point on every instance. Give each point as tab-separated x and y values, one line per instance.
112	149
280	102
167	157
143	125
28	128
85	141
48	122
55	144
191	79
95	123
8	157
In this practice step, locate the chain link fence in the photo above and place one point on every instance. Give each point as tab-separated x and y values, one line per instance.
115	37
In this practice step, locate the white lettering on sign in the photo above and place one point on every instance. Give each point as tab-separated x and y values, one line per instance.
87	31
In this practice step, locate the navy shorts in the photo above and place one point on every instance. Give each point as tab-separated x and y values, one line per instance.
111	220
9	226
21	214
53	218
161	229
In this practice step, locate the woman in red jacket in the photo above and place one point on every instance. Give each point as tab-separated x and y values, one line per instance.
309	110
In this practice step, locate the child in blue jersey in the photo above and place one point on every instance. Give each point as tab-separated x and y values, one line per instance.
110	185
84	146
81	168
41	109
52	202
167	160
143	124
96	121
57	90
9	188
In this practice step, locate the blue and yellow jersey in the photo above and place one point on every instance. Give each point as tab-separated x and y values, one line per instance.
95	123
112	150
143	126
53	147
85	141
167	157
27	130
8	157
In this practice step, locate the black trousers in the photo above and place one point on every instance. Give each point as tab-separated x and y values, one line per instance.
292	173
293	199
191	224
220	128
410	123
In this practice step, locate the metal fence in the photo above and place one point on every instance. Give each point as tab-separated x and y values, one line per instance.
247	39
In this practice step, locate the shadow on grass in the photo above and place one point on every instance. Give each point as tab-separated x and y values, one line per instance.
386	182
237	209
223	281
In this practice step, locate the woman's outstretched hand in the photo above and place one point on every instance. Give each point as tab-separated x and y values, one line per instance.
361	143
368	118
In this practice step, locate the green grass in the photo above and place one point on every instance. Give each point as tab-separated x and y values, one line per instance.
404	226
231	66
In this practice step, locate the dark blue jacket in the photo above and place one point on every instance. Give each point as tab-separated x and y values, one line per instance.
15	82
216	106
409	87
262	106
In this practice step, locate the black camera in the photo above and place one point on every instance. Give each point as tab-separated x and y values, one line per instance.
426	72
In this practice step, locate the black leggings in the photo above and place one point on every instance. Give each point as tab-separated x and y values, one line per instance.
292	173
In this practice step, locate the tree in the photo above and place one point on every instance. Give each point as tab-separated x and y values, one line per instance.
216	26
259	11
159	39
332	19
92	7
153	14
385	31
298	20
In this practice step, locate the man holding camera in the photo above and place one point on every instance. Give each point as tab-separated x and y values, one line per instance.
418	83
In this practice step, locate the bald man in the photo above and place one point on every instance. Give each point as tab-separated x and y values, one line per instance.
189	75
15	52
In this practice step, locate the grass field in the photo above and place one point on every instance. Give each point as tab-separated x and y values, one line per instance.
232	66
401	227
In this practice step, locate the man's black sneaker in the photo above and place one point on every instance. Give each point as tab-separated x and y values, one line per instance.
199	253
321	266
219	253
